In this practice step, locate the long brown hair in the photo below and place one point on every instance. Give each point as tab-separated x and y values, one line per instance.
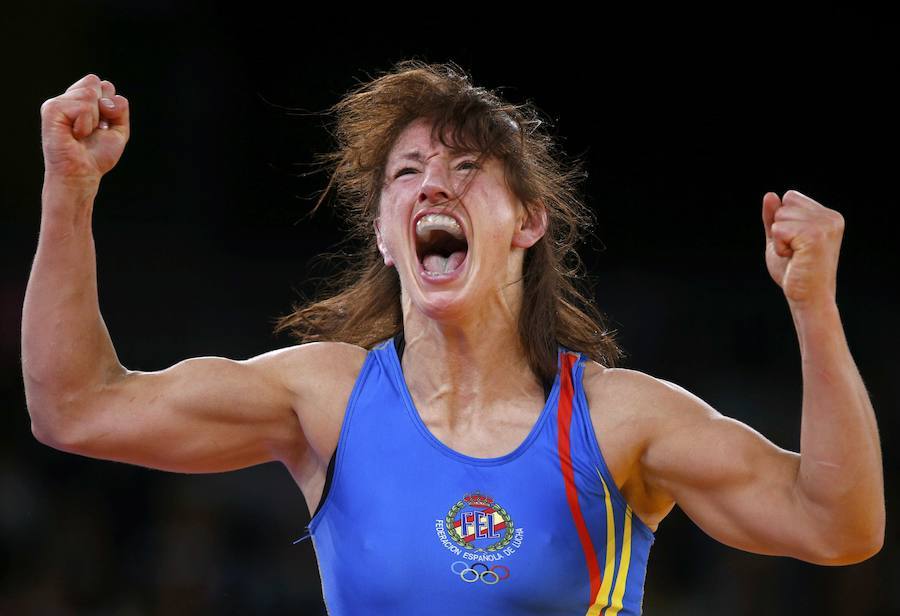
361	304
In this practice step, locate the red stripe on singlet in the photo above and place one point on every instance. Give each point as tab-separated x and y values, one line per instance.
564	445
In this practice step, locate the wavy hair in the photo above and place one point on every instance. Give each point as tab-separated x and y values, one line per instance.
361	303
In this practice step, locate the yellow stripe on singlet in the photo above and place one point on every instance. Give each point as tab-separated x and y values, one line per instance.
622	575
600	600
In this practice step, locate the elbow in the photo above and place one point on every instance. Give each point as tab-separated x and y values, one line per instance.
875	544
871	543
46	410
44	431
39	432
859	555
856	552
848	532
50	429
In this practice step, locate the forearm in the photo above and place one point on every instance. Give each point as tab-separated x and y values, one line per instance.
66	348
840	472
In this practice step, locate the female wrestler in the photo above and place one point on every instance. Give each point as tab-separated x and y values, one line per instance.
456	391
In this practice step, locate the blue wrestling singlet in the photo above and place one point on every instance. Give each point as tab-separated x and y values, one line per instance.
408	526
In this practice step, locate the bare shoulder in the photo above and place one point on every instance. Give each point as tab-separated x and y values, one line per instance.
318	372
630	410
320	377
643	396
313	367
625	405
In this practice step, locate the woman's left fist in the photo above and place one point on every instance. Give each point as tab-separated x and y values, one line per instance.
803	241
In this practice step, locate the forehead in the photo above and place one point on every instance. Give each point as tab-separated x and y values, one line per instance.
416	142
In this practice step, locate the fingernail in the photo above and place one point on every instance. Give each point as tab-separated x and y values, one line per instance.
107	102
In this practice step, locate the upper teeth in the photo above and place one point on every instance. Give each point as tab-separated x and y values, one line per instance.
432	222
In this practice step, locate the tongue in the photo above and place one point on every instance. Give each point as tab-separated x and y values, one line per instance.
437	264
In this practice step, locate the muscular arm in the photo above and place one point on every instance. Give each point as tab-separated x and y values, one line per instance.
840	475
209	414
201	415
204	414
742	489
824	505
735	484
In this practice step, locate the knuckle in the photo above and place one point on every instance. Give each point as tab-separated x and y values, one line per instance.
80	94
795	196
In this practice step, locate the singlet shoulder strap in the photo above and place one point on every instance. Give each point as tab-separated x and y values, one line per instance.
399	343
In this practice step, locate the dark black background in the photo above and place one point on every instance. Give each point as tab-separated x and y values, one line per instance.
684	120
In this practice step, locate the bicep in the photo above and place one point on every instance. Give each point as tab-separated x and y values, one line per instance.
203	414
734	483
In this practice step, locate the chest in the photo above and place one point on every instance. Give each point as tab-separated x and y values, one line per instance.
617	433
498	533
617	436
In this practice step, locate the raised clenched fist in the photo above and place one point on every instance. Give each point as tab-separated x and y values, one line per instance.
82	135
803	243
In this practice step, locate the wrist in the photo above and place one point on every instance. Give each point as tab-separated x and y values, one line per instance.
67	203
816	323
824	305
82	184
68	191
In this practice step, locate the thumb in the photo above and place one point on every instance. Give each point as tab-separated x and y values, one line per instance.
771	202
117	116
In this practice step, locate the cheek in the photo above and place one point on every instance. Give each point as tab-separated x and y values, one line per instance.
495	236
496	240
501	222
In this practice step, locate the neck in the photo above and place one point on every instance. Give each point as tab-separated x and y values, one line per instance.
458	372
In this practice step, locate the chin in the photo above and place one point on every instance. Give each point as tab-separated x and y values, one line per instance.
438	304
442	306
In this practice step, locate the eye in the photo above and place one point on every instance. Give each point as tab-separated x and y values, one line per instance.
466	164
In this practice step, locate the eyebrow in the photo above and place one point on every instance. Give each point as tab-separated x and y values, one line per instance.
416	155
413	155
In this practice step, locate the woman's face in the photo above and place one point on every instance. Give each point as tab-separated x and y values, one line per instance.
451	268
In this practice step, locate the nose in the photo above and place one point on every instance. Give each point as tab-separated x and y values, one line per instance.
436	187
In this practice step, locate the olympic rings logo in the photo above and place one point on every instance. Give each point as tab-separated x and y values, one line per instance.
470	574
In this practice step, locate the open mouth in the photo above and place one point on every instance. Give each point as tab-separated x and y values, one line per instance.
441	245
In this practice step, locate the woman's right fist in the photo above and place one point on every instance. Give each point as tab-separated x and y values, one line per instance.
81	135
